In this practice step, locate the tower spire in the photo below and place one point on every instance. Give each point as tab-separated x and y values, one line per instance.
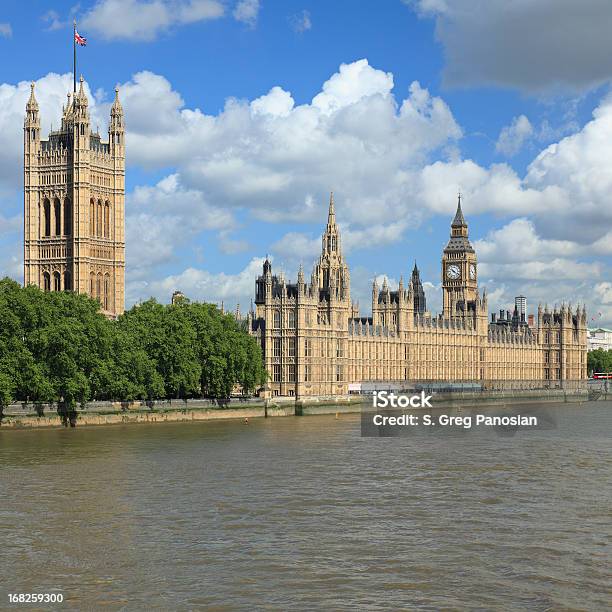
331	215
32	105
459	219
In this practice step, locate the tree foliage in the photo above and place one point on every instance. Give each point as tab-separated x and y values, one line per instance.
58	347
599	361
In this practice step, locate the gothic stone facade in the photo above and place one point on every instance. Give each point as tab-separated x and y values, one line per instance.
315	343
74	186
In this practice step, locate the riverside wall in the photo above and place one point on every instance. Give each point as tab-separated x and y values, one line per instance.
26	416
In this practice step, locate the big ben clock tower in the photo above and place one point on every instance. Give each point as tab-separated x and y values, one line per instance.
459	272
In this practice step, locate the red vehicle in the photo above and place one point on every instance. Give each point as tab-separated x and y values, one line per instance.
602	375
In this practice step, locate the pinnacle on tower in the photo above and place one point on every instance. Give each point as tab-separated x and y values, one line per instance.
331	215
116	103
32	105
116	112
81	87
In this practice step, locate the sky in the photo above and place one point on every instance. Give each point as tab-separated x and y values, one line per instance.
243	115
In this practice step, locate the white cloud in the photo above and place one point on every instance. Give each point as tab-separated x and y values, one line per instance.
203	285
515	260
518	243
528	44
351	84
373	237
512	137
164	216
277	102
6	30
247	12
386	159
296	246
279	160
301	22
144	20
604	292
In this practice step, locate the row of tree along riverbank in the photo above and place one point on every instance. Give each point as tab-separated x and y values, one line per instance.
57	348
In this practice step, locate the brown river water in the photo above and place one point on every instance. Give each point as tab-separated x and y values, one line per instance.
302	513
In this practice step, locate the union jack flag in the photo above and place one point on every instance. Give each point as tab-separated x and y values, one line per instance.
79	40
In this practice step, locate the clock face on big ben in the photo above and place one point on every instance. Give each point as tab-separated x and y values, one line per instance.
453	272
473	271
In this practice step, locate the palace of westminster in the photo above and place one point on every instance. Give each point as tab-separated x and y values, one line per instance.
313	338
315	342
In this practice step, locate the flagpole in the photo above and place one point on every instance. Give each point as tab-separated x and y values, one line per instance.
74	55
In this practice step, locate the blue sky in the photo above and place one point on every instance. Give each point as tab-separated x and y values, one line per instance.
242	115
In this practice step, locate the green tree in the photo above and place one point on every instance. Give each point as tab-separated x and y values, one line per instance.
57	347
599	361
166	335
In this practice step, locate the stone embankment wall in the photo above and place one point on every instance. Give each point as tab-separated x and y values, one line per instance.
18	416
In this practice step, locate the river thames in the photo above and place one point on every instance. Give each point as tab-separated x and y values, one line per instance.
302	513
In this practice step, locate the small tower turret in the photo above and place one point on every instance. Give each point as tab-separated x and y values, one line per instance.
116	129
81	118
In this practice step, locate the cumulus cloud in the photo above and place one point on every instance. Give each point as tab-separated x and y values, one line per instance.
144	20
352	83
515	260
278	159
518	242
386	157
247	12
165	215
512	137
527	44
203	285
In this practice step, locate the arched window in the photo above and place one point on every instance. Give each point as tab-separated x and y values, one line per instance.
99	287
92	285
57	281
99	219
67	281
107	220
47	219
46	281
106	292
67	217
291	319
82	129
92	217
277	319
57	216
